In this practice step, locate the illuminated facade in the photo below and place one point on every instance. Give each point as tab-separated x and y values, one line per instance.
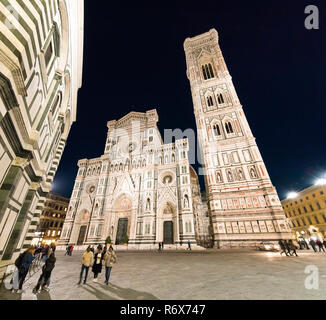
243	203
41	54
52	218
140	190
306	212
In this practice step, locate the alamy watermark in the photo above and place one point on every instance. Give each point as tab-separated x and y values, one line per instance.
312	20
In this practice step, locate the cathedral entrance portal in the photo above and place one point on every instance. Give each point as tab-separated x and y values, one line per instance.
81	236
122	231
168	232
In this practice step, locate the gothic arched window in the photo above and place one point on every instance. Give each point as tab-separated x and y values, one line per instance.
208	72
228	127
220	98
216	130
210	101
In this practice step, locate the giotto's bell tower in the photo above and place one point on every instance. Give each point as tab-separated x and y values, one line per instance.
244	205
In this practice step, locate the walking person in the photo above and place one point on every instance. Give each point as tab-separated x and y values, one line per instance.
293	248
189	245
109	259
26	261
67	251
320	245
324	243
313	244
287	247
97	265
87	261
283	248
159	246
162	246
43	281
71	250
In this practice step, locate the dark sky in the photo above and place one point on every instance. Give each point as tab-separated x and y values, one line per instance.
134	60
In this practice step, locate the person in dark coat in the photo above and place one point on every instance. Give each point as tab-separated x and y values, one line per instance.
287	247
46	273
313	244
97	265
293	248
324	243
320	245
283	248
23	269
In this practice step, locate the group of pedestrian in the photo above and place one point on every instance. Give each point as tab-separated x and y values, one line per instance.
96	260
317	243
288	247
69	250
24	262
160	246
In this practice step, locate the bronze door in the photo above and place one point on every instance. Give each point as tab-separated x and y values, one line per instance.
81	237
168	232
122	230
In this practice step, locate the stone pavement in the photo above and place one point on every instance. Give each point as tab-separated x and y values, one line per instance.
211	274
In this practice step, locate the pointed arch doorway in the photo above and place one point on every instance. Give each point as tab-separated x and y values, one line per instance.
122	209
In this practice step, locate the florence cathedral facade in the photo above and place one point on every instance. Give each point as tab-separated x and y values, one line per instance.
147	191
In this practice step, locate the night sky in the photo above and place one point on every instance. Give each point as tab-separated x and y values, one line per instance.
134	61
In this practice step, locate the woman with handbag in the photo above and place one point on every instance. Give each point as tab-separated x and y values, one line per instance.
97	266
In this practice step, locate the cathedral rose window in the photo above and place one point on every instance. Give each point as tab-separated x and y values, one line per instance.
167	179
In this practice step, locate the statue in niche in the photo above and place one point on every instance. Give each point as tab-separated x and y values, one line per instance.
218	177
148	205
186	202
253	173
229	175
240	174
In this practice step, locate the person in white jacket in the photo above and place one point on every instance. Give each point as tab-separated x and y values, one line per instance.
109	259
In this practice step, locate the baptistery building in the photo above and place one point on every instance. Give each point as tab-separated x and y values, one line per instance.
41	62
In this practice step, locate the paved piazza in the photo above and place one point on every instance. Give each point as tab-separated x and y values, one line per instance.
211	274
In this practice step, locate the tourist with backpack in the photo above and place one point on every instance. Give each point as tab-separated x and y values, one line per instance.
23	263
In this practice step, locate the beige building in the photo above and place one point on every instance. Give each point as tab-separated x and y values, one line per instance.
139	191
306	212
243	204
41	55
51	221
